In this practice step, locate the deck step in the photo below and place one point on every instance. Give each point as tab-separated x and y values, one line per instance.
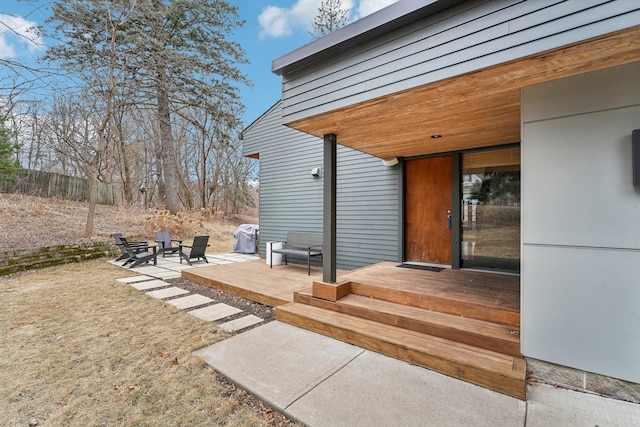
483	296
478	333
456	301
489	369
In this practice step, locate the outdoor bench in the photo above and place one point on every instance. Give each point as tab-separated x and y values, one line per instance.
298	244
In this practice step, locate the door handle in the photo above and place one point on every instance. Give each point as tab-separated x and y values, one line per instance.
448	218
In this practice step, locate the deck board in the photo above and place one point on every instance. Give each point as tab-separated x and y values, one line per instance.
254	280
482	288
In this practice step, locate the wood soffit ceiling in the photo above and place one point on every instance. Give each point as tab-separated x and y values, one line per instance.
474	110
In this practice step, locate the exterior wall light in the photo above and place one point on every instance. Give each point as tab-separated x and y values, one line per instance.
390	162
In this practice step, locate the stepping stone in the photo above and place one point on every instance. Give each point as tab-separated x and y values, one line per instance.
219	261
179	267
151	284
241	323
214	312
167	264
134	279
167	293
224	257
202	265
168	274
190	301
236	257
154	273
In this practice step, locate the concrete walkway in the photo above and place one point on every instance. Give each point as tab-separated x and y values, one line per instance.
320	381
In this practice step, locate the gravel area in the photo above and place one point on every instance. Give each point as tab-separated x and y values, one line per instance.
247	306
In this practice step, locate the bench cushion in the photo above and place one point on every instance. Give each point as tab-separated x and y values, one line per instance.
304	245
301	244
298	252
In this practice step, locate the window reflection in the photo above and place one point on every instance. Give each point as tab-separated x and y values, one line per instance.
491	210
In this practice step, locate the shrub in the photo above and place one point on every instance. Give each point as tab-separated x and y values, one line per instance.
180	224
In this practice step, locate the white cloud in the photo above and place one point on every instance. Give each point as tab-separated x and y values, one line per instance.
273	22
16	34
278	21
6	50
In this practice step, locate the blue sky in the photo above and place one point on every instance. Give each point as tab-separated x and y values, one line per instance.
272	29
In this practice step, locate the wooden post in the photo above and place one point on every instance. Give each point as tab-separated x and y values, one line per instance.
329	209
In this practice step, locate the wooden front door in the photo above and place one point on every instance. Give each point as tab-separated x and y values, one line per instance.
427	203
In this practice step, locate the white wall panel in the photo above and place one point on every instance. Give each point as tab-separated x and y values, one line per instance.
580	309
578	179
580	277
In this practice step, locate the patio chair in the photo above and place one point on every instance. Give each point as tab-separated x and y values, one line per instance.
164	240
196	251
135	246
139	257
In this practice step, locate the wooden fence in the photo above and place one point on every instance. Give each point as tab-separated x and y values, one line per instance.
50	184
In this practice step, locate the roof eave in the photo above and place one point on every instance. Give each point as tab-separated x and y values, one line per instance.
383	21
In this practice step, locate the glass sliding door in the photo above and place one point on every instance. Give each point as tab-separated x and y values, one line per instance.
490	210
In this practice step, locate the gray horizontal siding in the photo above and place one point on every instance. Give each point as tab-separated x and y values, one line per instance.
291	199
367	210
466	38
261	130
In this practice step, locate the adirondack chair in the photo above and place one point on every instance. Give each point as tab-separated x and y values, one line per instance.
139	257
164	240
196	251
136	246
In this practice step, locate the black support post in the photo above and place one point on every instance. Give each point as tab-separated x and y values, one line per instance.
329	209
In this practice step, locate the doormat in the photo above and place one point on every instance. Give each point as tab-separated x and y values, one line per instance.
421	267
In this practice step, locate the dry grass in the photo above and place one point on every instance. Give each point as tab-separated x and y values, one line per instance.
28	221
80	349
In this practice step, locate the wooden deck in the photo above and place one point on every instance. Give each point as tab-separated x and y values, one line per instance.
464	324
254	280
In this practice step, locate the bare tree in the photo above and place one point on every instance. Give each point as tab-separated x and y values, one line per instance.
94	47
330	17
155	100
175	52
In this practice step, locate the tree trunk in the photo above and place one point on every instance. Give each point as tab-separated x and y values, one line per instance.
128	189
203	170
93	196
159	178
93	186
172	202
